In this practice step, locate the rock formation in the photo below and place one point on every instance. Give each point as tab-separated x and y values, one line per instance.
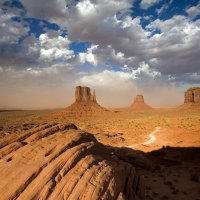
82	94
139	103
192	95
85	105
191	99
59	161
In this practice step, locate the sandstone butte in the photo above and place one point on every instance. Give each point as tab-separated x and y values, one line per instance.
139	104
191	99
85	105
59	161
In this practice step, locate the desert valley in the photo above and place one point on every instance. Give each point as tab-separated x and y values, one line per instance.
100	100
86	151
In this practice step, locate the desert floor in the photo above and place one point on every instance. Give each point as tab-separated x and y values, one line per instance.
169	137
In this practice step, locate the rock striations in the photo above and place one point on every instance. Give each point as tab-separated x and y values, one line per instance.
83	94
139	104
191	99
59	161
85	105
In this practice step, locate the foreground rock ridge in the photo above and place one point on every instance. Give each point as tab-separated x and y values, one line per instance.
191	99
59	161
85	105
139	103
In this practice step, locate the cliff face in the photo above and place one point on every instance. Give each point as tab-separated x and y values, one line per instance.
139	103
59	161
192	95
84	94
191	99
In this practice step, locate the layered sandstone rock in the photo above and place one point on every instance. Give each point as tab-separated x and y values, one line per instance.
58	161
83	94
85	105
191	99
192	95
139	103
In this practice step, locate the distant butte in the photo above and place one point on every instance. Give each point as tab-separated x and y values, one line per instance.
85	105
191	99
83	94
139	103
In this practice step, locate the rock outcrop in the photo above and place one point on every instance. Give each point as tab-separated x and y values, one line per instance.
192	95
191	99
83	94
59	161
139	104
85	105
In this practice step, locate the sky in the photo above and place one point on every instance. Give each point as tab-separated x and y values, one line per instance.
120	48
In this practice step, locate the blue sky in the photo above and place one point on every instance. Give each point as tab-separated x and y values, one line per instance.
113	46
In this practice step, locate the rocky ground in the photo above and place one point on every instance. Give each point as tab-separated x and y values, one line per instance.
169	168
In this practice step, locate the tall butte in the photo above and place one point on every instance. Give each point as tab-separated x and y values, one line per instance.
191	99
85	105
139	103
83	94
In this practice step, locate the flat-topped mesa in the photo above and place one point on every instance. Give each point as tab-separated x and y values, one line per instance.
139	103
139	99
191	99
84	94
192	95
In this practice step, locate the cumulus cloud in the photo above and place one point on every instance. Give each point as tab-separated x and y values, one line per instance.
54	49
89	56
175	48
124	39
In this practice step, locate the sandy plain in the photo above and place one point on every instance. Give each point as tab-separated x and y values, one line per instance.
170	138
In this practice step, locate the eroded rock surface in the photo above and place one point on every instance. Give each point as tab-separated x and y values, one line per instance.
139	103
192	95
59	161
84	94
191	99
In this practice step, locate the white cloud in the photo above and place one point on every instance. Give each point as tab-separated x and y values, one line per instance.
106	78
145	4
122	40
175	48
86	7
145	69
193	11
89	56
54	48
